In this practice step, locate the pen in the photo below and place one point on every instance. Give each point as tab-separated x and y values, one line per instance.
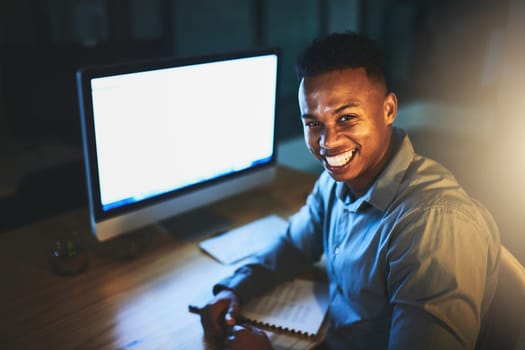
228	329
194	309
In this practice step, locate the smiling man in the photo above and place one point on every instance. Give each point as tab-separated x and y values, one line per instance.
411	259
348	124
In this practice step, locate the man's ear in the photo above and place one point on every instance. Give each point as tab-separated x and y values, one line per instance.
390	108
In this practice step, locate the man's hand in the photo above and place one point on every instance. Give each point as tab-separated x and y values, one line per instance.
245	336
220	314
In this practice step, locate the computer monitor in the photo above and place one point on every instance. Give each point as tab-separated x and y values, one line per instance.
166	137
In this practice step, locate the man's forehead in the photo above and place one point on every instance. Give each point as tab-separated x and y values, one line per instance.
350	82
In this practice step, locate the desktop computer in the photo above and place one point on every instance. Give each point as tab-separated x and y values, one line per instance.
165	138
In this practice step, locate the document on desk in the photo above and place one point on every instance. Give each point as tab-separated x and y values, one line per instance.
297	306
244	241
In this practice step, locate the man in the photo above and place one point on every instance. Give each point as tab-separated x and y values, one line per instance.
411	259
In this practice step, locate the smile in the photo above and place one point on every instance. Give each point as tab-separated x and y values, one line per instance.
341	159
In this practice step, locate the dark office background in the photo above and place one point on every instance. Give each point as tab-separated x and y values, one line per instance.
455	65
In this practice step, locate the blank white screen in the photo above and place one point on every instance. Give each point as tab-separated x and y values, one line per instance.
160	130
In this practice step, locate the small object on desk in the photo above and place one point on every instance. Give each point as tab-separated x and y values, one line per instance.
244	241
69	257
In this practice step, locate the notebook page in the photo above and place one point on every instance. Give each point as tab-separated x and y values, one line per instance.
299	306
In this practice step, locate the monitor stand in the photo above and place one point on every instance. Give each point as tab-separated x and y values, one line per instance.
127	246
195	224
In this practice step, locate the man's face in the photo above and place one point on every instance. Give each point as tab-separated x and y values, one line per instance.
347	122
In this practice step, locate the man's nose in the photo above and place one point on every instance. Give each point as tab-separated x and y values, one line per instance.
329	138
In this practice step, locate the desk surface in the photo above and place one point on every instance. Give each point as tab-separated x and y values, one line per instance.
117	303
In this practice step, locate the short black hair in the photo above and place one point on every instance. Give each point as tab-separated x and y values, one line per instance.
339	51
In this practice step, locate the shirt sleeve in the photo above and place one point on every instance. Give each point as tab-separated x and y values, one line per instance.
437	268
297	248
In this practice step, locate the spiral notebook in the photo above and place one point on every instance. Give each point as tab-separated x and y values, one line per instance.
298	306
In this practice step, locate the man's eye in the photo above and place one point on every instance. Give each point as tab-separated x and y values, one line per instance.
347	117
312	124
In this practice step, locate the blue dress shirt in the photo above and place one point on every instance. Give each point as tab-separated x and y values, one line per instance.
411	264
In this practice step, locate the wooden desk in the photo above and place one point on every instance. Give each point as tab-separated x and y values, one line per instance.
139	303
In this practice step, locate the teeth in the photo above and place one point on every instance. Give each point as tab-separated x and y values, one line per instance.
340	159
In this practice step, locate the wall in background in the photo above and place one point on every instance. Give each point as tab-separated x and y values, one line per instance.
3	119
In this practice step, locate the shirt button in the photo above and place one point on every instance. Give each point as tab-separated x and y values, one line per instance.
339	289
336	250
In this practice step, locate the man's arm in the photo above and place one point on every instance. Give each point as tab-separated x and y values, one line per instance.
298	247
414	328
439	262
281	262
287	257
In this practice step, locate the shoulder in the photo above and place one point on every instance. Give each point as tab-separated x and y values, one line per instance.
427	184
430	198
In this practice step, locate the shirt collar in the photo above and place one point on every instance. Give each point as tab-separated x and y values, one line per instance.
384	188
